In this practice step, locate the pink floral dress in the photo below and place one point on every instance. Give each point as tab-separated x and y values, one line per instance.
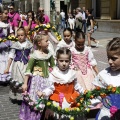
83	62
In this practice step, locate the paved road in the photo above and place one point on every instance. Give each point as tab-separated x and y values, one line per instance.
10	111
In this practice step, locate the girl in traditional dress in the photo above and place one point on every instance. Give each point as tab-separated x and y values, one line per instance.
52	40
63	83
5	30
67	41
19	55
36	75
84	62
110	77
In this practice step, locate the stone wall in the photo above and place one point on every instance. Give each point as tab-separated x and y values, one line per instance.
109	26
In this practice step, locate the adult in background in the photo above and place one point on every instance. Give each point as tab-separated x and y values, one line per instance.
29	23
44	18
78	20
74	13
13	18
90	28
84	20
62	19
57	21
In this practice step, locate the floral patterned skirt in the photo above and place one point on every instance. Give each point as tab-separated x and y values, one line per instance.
3	63
86	80
36	83
17	74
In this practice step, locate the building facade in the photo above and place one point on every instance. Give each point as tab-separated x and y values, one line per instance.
103	9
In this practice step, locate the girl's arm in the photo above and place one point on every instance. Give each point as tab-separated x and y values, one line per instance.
28	73
8	66
92	61
95	69
53	38
30	66
11	57
24	86
48	91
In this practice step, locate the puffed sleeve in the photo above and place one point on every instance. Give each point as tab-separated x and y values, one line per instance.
30	66
91	58
78	87
48	91
51	60
52	37
12	53
11	30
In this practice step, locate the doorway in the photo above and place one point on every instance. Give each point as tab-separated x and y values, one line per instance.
63	7
98	8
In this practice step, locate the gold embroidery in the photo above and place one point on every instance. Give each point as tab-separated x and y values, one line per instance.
38	71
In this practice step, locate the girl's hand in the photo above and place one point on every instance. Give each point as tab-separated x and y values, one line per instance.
6	71
40	94
30	20
24	87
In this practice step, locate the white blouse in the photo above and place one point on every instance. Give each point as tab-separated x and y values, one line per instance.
57	76
20	46
5	27
107	77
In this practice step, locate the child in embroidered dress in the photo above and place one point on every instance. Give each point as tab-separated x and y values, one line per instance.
67	41
36	75
5	30
110	77
63	83
84	62
18	58
52	40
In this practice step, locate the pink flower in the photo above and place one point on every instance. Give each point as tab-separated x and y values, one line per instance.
41	106
25	93
50	69
61	96
35	108
26	98
28	57
31	103
89	65
113	110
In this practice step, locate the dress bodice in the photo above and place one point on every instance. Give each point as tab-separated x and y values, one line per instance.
67	89
39	65
22	55
80	61
4	31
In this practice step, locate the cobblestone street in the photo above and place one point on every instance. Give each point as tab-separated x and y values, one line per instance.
10	111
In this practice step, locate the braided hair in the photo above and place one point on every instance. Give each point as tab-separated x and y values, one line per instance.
114	45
